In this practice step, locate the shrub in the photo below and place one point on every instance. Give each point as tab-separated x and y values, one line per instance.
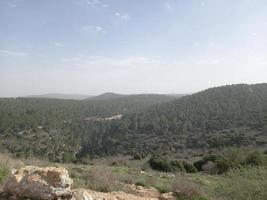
189	168
176	166
256	158
230	159
223	165
198	164
160	163
101	180
185	190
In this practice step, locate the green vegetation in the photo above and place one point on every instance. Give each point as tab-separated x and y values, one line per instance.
192	126
56	128
247	183
163	164
4	168
209	145
208	121
231	159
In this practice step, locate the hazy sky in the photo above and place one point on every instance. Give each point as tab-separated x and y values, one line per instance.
130	46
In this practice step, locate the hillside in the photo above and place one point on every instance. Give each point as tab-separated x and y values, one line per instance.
55	128
208	121
217	118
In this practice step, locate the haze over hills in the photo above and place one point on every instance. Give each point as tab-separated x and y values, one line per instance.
61	96
107	95
104	96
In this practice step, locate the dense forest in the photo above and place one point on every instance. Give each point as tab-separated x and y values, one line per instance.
210	120
64	130
55	128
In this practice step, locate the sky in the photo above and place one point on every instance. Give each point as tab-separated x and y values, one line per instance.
130	46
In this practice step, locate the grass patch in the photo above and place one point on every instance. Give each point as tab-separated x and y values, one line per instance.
5	166
248	183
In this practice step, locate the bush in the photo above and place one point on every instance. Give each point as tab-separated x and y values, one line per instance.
160	163
185	190
176	166
163	164
198	164
231	159
189	168
256	158
101	180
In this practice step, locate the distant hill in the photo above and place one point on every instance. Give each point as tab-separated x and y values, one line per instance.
177	95
204	122
108	95
61	96
216	118
45	127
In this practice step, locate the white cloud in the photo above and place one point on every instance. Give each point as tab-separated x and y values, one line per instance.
123	16
58	44
84	61
12	5
167	5
96	3
207	62
5	52
87	29
203	4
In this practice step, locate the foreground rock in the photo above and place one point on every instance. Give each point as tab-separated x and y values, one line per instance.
82	194
48	183
53	183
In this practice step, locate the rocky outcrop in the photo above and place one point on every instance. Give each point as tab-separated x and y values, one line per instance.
48	183
53	183
82	194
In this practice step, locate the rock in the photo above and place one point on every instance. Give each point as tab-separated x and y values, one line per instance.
142	191
48	183
81	194
167	196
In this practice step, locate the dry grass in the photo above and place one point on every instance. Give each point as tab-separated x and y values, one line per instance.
187	190
99	179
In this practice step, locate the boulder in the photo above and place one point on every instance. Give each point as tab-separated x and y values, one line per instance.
48	183
81	194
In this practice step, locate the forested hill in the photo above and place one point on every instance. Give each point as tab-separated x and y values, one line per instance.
217	118
234	115
53	127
